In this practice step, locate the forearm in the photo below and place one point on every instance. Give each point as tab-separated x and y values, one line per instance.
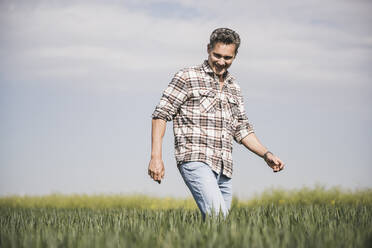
254	145
157	134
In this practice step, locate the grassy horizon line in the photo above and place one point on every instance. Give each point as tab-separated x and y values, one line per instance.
305	195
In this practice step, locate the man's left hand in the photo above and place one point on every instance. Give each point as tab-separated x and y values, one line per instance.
274	162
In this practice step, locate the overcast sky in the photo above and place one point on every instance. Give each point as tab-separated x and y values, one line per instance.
79	81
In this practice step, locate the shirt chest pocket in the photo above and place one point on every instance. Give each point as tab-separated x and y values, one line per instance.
201	101
233	106
208	101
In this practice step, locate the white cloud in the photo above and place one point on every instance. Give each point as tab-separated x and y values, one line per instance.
104	43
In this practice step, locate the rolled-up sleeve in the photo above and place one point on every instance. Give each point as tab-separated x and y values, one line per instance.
173	97
243	126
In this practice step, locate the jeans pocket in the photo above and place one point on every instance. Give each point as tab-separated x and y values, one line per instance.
191	166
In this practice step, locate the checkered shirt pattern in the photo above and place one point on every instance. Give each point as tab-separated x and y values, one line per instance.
205	118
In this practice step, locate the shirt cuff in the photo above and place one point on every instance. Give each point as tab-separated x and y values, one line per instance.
161	115
243	132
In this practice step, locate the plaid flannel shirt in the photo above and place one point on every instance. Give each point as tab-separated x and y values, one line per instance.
205	118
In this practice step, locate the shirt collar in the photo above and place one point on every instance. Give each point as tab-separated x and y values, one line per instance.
206	67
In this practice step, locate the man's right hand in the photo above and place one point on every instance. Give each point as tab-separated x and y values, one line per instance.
156	169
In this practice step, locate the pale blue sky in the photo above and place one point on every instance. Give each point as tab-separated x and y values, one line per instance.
79	81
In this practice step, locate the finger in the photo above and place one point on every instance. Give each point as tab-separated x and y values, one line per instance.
152	174
276	161
280	164
157	177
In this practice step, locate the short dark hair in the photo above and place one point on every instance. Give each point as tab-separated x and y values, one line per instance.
226	36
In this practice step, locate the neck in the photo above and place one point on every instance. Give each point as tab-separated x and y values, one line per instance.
221	78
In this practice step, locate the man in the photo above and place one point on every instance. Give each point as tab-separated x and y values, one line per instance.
207	109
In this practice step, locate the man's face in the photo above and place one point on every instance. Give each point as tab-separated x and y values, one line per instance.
220	57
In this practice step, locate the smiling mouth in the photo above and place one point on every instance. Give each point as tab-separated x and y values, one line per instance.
219	68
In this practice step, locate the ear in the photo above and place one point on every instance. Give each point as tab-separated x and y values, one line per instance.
209	48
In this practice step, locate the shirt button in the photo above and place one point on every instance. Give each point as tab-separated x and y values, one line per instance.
223	136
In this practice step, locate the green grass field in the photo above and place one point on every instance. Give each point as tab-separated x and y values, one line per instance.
302	218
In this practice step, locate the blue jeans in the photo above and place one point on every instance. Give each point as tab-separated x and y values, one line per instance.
211	191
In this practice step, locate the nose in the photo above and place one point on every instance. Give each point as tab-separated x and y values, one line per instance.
221	62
